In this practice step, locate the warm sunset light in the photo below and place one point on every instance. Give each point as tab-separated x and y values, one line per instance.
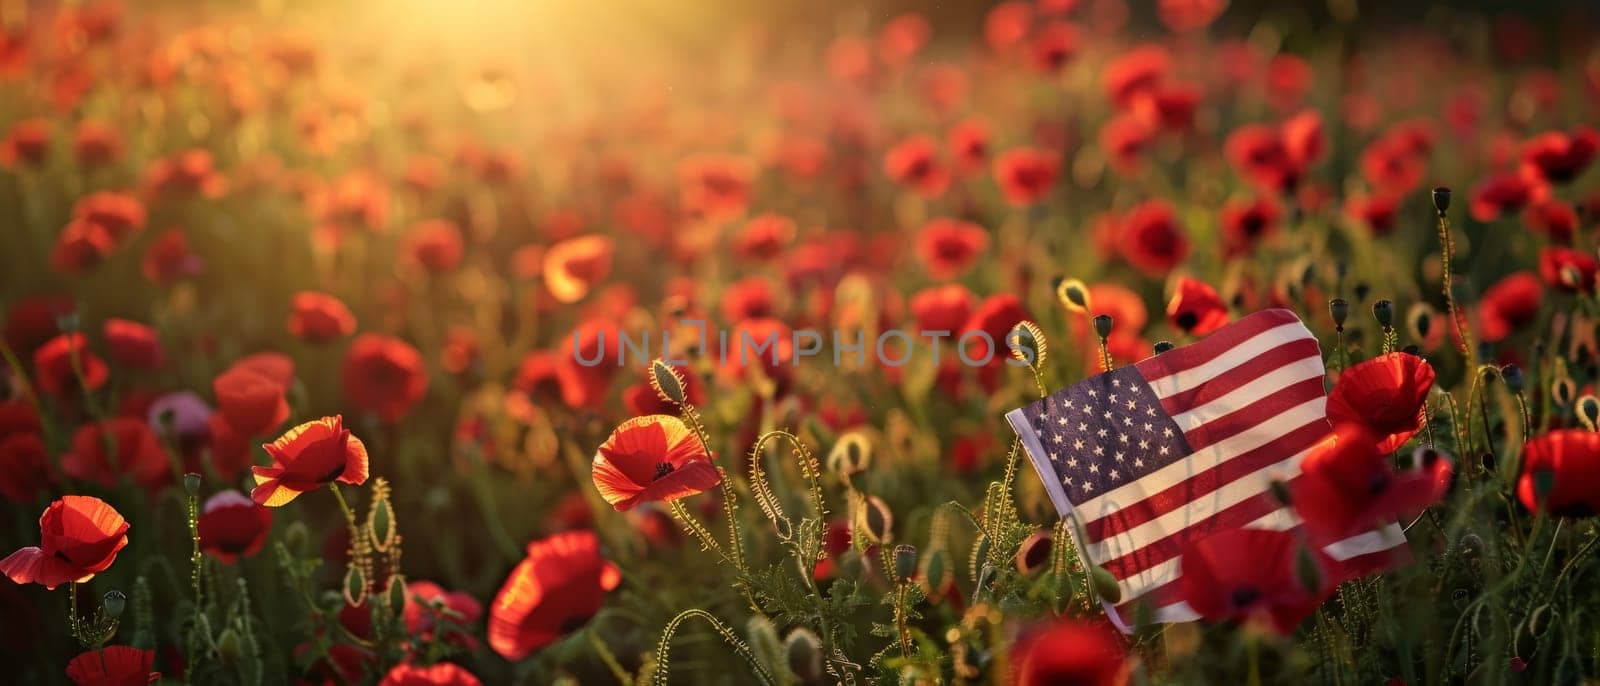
1034	342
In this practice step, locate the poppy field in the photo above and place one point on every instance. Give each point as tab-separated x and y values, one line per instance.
620	343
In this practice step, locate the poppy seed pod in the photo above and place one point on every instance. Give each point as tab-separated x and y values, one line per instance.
1163	346
1512	374
804	653
1102	325
667	382
1073	295
1589	412
1383	311
851	455
877	520
114	602
191	483
229	649
1339	309
1441	199
905	563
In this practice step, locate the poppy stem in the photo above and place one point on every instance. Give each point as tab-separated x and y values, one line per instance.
1572	562
1447	252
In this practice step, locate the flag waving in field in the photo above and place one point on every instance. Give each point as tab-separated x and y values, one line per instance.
1182	445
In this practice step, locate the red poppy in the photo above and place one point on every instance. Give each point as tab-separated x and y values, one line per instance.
1124	138
1248	575
949	247
763	343
1135	72
435	245
942	308
253	403
574	266
1288	79
1551	218
651	458
79	537
1151	239
1170	107
384	375
319	318
555	590
168	259
1376	212
96	143
103	451
120	214
1557	157
1347	486
914	162
113	666
34	320
308	456
233	526
1503	193
1053	45
1195	307
1509	306
902	38
56	370
1070	652
1561	473
1247	223
982	337
716	187
969	145
1387	394
1007	23
1026	175
24	466
191	171
1189	15
764	237
437	674
1568	269
1259	154
80	247
133	344
427	603
748	298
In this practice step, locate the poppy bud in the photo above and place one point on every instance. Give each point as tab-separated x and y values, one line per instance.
1383	311
851	455
1307	570
1471	545
1026	343
397	591
667	382
1361	290
876	520
114	602
905	562
804	653
1034	553
1589	411
1280	491
1419	318
1163	346
228	647
1102	325
355	587
936	570
1339	309
1105	585
1513	377
380	524
1441	199
191	483
295	537
1562	391
1073	295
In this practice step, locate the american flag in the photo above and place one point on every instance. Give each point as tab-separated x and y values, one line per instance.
1151	456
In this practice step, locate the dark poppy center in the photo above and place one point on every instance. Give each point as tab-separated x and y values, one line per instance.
663	469
1187	320
1244	596
1378	483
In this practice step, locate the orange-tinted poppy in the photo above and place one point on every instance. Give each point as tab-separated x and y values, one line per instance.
1387	394
1561	473
104	451
942	308
114	666
994	318
1134	73
1195	307
716	187
1248	575
435	245
764	237
914	163
1347	486
96	143
574	266
949	247
1189	15
308	456
1070	652
232	526
253	403
555	590
81	246
26	143
120	214
133	344
652	458
437	674
1151	238
318	317
58	363
1026	175
79	537
384	375
169	260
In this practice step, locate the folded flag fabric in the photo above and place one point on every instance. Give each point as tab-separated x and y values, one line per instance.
1149	457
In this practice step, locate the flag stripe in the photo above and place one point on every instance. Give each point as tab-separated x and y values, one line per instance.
1167	548
1243	419
1270	361
1221	341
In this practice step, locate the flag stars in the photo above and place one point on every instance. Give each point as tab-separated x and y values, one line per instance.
1127	421
1057	439
1166	432
1144	445
1101	433
1094	468
1062	420
1138	462
1117	383
1083	426
1100	450
1113	473
1094	393
1122	438
1164	450
1132	404
1148	427
1120	456
1077	445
